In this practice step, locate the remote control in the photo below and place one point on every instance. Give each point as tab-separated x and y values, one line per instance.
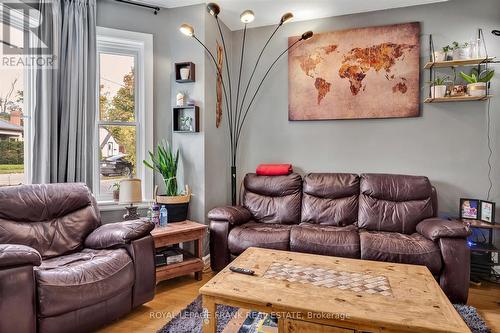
241	270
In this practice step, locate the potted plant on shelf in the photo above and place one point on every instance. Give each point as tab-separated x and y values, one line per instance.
438	87
165	163
477	81
448	55
116	191
461	52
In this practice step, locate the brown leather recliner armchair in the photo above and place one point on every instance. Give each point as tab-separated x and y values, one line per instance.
372	216
60	270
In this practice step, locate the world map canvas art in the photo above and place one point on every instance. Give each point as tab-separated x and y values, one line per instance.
355	74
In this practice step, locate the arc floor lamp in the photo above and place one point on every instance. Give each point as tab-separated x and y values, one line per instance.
237	110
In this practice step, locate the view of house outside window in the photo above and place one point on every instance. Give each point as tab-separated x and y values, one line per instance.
117	120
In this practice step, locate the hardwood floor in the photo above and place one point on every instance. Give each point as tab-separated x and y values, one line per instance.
173	295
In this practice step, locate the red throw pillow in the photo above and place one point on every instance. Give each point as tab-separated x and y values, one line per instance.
274	169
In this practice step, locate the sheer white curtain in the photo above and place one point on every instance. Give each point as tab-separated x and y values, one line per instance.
65	107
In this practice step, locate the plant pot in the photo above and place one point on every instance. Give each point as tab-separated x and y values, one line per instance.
461	53
476	89
438	91
439	56
116	195
177	206
184	73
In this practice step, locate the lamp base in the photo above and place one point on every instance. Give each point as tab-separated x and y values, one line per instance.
131	213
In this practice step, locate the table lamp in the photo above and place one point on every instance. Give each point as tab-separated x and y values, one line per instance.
130	193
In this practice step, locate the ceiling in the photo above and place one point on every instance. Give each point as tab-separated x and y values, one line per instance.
268	12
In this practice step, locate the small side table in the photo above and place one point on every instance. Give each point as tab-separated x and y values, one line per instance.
180	232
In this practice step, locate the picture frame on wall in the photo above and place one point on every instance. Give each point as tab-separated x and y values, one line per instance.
487	211
470	209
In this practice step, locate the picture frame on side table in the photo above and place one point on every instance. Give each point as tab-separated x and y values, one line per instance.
487	211
469	209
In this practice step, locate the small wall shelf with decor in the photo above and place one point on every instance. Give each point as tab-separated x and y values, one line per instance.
184	72
456	99
186	119
469	54
458	63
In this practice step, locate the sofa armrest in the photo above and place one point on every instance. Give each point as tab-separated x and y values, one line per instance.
235	215
119	233
19	255
435	228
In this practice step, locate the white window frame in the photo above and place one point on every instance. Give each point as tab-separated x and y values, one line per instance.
114	41
17	20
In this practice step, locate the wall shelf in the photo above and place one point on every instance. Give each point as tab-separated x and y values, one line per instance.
458	63
457	99
480	63
177	68
186	119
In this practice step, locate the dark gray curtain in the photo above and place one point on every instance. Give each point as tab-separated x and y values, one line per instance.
65	97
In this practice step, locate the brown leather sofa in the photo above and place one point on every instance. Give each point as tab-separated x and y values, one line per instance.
60	270
372	216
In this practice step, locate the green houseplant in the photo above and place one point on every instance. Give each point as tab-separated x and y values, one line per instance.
477	81
438	87
165	162
448	50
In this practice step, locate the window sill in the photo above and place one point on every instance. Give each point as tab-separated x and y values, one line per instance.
105	206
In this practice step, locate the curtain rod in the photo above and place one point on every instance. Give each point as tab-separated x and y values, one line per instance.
133	3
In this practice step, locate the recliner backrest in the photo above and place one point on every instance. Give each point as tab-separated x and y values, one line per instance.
330	198
395	203
54	219
273	199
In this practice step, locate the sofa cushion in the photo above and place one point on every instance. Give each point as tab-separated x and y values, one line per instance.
273	199
401	248
394	203
330	198
54	219
266	235
81	279
325	240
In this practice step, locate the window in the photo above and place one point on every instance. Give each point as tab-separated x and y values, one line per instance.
124	117
15	99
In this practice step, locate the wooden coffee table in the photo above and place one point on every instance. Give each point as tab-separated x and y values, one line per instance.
311	293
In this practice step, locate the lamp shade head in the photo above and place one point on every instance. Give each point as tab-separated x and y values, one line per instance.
287	17
130	191
306	35
213	9
186	29
247	16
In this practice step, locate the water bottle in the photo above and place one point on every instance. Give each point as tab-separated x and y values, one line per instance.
163	216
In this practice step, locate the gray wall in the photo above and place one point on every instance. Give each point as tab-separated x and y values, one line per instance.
205	157
447	142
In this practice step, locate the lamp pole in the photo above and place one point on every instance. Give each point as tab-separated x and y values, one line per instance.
237	113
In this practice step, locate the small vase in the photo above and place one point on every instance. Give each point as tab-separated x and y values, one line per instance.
116	195
179	98
184	73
